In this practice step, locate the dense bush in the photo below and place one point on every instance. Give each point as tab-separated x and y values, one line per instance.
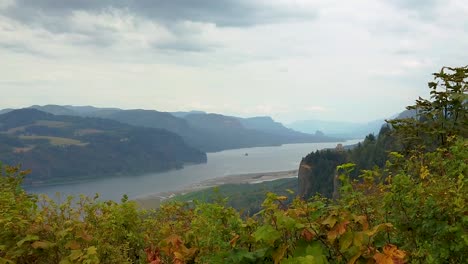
417	213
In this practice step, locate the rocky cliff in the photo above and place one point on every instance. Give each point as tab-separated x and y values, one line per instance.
317	173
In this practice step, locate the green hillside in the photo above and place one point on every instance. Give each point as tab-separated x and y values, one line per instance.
68	148
207	132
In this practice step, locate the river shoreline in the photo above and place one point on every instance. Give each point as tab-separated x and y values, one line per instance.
152	201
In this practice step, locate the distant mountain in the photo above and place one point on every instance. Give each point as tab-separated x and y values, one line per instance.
6	110
218	132
92	111
54	109
183	114
152	118
214	132
266	124
225	132
70	110
61	148
207	132
337	128
346	129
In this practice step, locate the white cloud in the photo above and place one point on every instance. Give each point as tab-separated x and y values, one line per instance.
349	57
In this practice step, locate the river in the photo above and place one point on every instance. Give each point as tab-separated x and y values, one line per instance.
223	163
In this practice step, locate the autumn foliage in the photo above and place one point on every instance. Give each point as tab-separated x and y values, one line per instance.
413	210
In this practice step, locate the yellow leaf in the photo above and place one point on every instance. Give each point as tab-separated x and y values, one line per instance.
359	239
233	241
86	236
91	250
338	230
362	219
282	198
75	254
378	228
179	256
382	258
393	252
41	244
331	221
72	245
278	255
424	172
354	258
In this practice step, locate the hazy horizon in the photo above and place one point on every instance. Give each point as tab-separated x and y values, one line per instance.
207	112
354	61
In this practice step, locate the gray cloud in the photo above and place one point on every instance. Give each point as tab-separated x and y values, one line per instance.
226	55
55	17
236	13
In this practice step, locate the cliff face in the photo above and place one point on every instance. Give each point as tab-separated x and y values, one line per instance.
304	179
317	173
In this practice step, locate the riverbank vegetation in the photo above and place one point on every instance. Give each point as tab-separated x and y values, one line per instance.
410	210
246	198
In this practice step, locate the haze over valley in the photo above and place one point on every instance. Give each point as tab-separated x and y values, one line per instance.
69	143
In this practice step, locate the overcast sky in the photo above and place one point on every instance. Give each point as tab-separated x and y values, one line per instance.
354	60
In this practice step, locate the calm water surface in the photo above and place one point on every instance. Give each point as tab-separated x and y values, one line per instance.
228	162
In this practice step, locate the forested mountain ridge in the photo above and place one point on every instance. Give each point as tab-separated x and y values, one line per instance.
411	210
232	132
61	148
317	170
207	132
427	125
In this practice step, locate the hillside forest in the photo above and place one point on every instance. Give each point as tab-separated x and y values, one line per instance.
400	198
63	144
59	148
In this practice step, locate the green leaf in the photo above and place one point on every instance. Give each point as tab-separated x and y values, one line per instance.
65	261
6	261
307	250
285	221
26	239
301	260
75	254
360	238
267	233
346	240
